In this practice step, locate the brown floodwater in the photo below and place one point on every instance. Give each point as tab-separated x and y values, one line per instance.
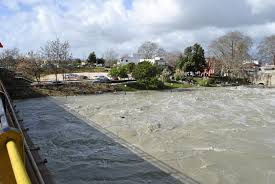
213	135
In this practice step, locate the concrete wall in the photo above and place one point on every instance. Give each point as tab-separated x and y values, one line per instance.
267	78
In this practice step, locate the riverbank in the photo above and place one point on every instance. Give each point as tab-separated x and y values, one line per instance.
75	89
72	89
20	89
17	91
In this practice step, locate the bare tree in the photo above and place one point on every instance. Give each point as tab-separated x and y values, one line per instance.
232	50
31	65
57	54
266	50
148	50
9	58
161	52
110	57
172	58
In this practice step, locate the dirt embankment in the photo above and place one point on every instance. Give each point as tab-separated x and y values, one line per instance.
21	89
71	89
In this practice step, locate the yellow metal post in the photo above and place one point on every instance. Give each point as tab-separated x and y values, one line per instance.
17	164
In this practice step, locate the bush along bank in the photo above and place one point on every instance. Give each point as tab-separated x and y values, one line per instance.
145	73
153	77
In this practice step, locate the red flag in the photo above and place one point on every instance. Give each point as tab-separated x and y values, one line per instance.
1	46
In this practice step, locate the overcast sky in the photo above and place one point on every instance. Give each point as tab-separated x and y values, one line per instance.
98	25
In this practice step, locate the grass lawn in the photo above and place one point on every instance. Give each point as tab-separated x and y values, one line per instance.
136	86
124	87
176	85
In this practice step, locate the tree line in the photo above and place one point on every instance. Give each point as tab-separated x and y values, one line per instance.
229	52
54	57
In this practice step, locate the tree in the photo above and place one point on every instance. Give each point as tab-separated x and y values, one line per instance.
130	67
31	65
146	75
172	58
9	58
161	52
165	75
266	50
92	58
193	59
57	54
100	61
110	57
77	62
232	49
148	50
145	71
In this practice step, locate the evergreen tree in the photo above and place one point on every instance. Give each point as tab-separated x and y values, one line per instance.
193	59
100	61
92	58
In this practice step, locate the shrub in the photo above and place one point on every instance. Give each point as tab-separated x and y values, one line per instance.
130	67
205	82
152	83
145	71
118	72
165	75
179	75
114	72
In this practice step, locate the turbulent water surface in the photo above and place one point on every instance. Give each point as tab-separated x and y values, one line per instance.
214	135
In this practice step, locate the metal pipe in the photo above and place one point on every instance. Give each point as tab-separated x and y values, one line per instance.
18	167
3	118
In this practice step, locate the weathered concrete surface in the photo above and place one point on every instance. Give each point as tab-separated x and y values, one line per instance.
267	78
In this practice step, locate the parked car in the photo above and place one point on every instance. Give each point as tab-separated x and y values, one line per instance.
101	79
71	76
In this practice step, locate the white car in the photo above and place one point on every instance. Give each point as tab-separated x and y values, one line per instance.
101	79
71	76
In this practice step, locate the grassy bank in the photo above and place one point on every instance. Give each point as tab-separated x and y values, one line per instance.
138	86
74	89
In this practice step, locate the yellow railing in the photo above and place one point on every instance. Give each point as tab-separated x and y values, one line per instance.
12	156
19	170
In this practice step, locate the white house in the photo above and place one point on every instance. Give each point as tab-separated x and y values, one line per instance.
135	58
129	59
156	60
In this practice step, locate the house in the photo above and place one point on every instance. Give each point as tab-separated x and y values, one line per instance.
135	58
251	66
211	67
156	60
129	59
84	63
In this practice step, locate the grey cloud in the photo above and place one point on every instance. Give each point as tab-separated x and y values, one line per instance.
100	25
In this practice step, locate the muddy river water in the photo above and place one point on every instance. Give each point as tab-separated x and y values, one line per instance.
213	135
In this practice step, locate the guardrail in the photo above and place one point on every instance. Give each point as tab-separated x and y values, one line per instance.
14	150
